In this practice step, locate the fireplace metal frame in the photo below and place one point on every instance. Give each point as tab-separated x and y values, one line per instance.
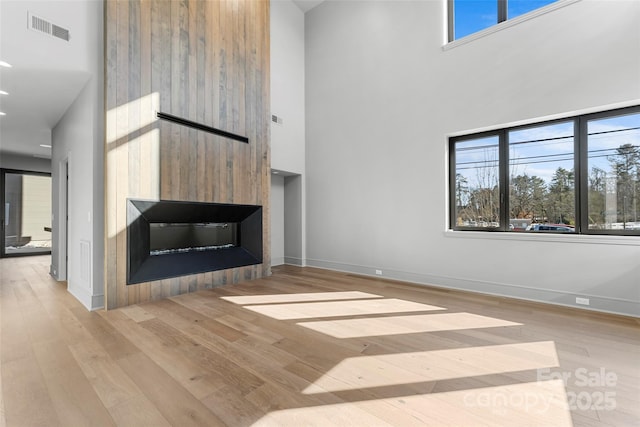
142	267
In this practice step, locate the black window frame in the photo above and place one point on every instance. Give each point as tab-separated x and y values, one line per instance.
502	16
3	173
581	173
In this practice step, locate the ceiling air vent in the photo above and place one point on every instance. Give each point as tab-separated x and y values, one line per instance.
39	24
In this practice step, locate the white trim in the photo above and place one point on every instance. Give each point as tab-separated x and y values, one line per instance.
589	239
289	260
603	304
90	302
540	120
63	206
506	24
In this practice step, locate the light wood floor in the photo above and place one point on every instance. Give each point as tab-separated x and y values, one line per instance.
309	347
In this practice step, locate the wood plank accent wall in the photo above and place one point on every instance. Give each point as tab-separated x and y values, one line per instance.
205	61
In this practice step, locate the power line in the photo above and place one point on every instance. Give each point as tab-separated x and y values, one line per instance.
612	131
519	159
555	138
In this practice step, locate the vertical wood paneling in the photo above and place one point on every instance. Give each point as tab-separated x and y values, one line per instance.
110	26
149	170
262	126
206	61
134	92
121	145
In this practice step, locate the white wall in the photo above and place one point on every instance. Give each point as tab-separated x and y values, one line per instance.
288	138
44	51
79	138
382	97
27	163
277	220
13	138
287	87
294	221
47	72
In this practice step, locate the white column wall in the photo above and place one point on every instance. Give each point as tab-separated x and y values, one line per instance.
79	139
277	220
288	137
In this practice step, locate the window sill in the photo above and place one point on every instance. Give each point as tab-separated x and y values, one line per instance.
508	23
546	237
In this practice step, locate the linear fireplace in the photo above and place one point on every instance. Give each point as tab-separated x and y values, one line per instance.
172	238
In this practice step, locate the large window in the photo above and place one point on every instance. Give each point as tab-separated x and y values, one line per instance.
470	16
578	175
613	173
477	182
541	176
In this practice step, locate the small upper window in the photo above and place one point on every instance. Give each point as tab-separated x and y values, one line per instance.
516	8
470	16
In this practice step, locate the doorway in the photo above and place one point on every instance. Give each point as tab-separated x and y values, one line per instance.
25	198
287	224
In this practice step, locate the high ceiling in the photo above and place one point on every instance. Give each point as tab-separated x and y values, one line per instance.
46	76
307	5
47	73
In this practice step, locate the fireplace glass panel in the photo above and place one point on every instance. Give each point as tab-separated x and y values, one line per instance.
167	238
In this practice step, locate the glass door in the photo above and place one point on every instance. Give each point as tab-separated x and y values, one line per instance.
26	213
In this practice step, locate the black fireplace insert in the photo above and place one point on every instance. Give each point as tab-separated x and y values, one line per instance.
174	238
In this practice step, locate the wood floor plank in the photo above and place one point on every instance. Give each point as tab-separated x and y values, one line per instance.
107	378
112	340
26	396
232	407
67	385
175	403
199	380
215	363
138	411
173	309
308	347
15	342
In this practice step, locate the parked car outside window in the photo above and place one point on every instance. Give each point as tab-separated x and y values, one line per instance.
551	227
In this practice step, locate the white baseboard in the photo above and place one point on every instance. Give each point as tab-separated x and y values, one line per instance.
91	302
294	261
597	303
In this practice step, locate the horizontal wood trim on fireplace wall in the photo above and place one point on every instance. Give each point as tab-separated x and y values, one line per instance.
206	62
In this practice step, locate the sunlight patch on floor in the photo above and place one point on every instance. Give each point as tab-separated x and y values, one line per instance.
312	296
339	308
427	366
542	403
410	324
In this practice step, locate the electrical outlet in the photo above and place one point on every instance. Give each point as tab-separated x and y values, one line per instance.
583	301
379	272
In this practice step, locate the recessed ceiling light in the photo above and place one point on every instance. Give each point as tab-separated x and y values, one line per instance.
45	145
3	92
2	114
5	64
